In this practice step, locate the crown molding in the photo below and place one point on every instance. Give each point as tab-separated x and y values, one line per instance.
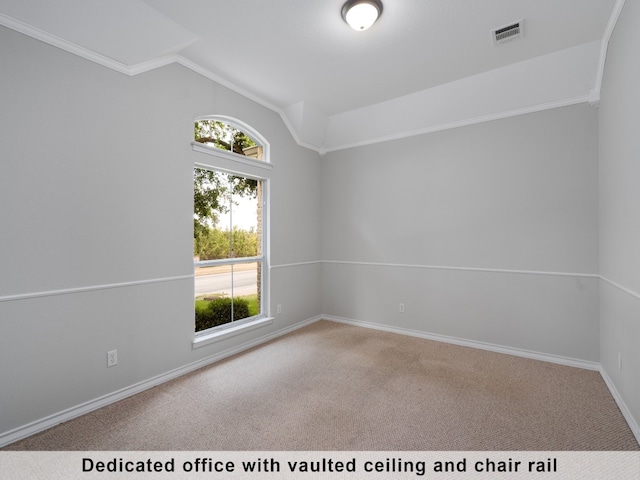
151	64
185	62
593	96
465	122
608	31
65	45
132	70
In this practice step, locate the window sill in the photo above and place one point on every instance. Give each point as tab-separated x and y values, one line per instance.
223	334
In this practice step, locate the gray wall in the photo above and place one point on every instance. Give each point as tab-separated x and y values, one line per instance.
492	233
96	225
518	194
619	117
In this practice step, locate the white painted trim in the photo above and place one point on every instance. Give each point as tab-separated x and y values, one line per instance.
229	331
544	357
245	93
294	134
441	267
624	289
65	45
592	97
463	123
132	70
92	288
234	157
237	166
224	82
465	269
19	433
247	130
151	65
611	25
297	264
86	53
633	424
560	360
84	408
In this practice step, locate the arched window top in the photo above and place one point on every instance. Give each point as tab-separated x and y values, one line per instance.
231	136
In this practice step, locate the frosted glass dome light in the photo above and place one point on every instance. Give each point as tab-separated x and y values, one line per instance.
361	14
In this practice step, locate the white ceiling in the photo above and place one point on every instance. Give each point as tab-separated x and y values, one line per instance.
299	58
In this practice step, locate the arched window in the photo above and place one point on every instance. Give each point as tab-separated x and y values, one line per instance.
229	224
231	136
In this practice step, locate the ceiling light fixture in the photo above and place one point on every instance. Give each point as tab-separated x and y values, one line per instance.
361	14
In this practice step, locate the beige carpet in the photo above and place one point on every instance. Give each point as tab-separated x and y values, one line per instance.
330	386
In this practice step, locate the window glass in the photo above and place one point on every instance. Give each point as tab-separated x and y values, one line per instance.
228	138
228	260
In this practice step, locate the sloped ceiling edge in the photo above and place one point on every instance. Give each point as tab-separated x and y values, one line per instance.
562	78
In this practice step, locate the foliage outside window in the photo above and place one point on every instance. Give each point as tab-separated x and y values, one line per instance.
227	232
227	137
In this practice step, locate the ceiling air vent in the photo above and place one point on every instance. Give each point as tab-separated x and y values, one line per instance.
507	33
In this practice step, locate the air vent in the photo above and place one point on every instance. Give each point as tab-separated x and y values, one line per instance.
507	33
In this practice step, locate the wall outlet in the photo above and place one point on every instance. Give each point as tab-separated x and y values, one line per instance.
112	358
619	361
279	309
402	308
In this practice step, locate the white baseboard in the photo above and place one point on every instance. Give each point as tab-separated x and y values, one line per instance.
572	362
545	357
39	425
633	424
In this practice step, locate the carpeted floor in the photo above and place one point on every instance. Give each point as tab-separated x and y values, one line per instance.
330	386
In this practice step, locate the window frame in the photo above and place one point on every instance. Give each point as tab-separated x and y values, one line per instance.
265	163
226	162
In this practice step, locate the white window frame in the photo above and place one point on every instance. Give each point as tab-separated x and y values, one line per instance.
265	163
219	160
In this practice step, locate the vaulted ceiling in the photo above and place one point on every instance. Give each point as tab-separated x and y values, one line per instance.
424	66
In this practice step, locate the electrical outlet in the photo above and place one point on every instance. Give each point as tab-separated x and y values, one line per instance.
619	361
112	358
402	308
279	309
